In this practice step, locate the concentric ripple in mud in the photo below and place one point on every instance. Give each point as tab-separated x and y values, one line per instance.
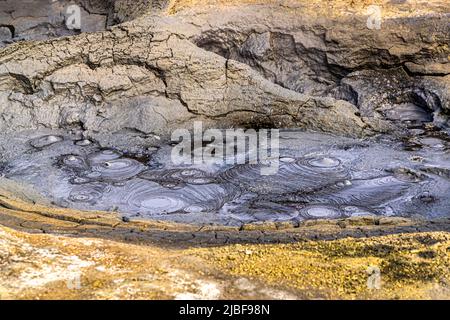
89	193
371	192
321	212
174	177
103	156
74	162
115	170
149	198
305	175
45	141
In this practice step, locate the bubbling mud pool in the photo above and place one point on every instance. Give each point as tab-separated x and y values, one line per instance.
320	177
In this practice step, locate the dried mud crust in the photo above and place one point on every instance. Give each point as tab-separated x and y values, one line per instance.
36	218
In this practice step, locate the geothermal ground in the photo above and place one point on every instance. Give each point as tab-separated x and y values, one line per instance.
93	207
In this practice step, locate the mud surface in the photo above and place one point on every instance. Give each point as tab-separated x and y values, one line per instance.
319	177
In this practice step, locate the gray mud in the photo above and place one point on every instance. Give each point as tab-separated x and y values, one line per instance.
320	177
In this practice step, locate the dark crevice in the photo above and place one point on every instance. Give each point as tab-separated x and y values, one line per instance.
11	29
24	82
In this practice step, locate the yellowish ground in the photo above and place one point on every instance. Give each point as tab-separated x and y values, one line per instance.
415	266
43	266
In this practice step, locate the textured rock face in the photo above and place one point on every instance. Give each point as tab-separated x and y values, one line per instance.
341	58
274	68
